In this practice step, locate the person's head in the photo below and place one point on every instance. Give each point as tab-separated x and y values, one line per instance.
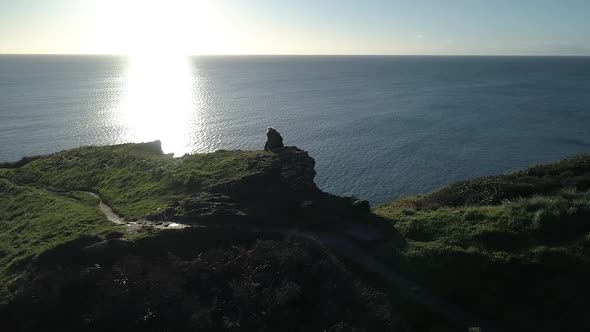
270	130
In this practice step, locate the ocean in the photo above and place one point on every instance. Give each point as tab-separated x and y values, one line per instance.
379	127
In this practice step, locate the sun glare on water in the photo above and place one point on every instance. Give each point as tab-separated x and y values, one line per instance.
159	99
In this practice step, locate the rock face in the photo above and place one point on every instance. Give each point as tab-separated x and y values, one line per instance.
362	206
297	168
269	194
155	146
274	140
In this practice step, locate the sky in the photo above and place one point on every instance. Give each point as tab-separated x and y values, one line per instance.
426	27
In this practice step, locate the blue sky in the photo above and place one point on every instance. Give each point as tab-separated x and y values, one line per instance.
519	27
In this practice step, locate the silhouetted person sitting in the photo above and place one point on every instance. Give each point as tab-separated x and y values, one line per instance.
274	139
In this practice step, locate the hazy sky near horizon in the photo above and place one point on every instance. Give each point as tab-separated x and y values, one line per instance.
432	27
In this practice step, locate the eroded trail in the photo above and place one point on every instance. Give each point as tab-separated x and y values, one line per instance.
115	218
107	211
341	245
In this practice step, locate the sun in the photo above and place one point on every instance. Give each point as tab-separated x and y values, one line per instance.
171	27
159	99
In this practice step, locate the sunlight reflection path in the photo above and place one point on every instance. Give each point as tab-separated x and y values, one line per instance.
159	102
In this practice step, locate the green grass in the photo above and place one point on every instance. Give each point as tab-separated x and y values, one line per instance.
55	268
514	256
514	249
42	204
137	180
34	220
540	179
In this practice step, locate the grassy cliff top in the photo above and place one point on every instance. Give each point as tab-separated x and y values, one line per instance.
513	248
138	180
42	203
64	265
34	220
45	201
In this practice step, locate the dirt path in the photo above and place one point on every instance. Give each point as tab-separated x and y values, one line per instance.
115	218
342	246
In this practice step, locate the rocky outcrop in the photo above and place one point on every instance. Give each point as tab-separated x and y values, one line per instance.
154	147
297	168
362	206
274	140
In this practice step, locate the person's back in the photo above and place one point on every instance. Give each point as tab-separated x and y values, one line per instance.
274	140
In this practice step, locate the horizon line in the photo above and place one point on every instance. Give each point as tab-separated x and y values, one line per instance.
307	54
